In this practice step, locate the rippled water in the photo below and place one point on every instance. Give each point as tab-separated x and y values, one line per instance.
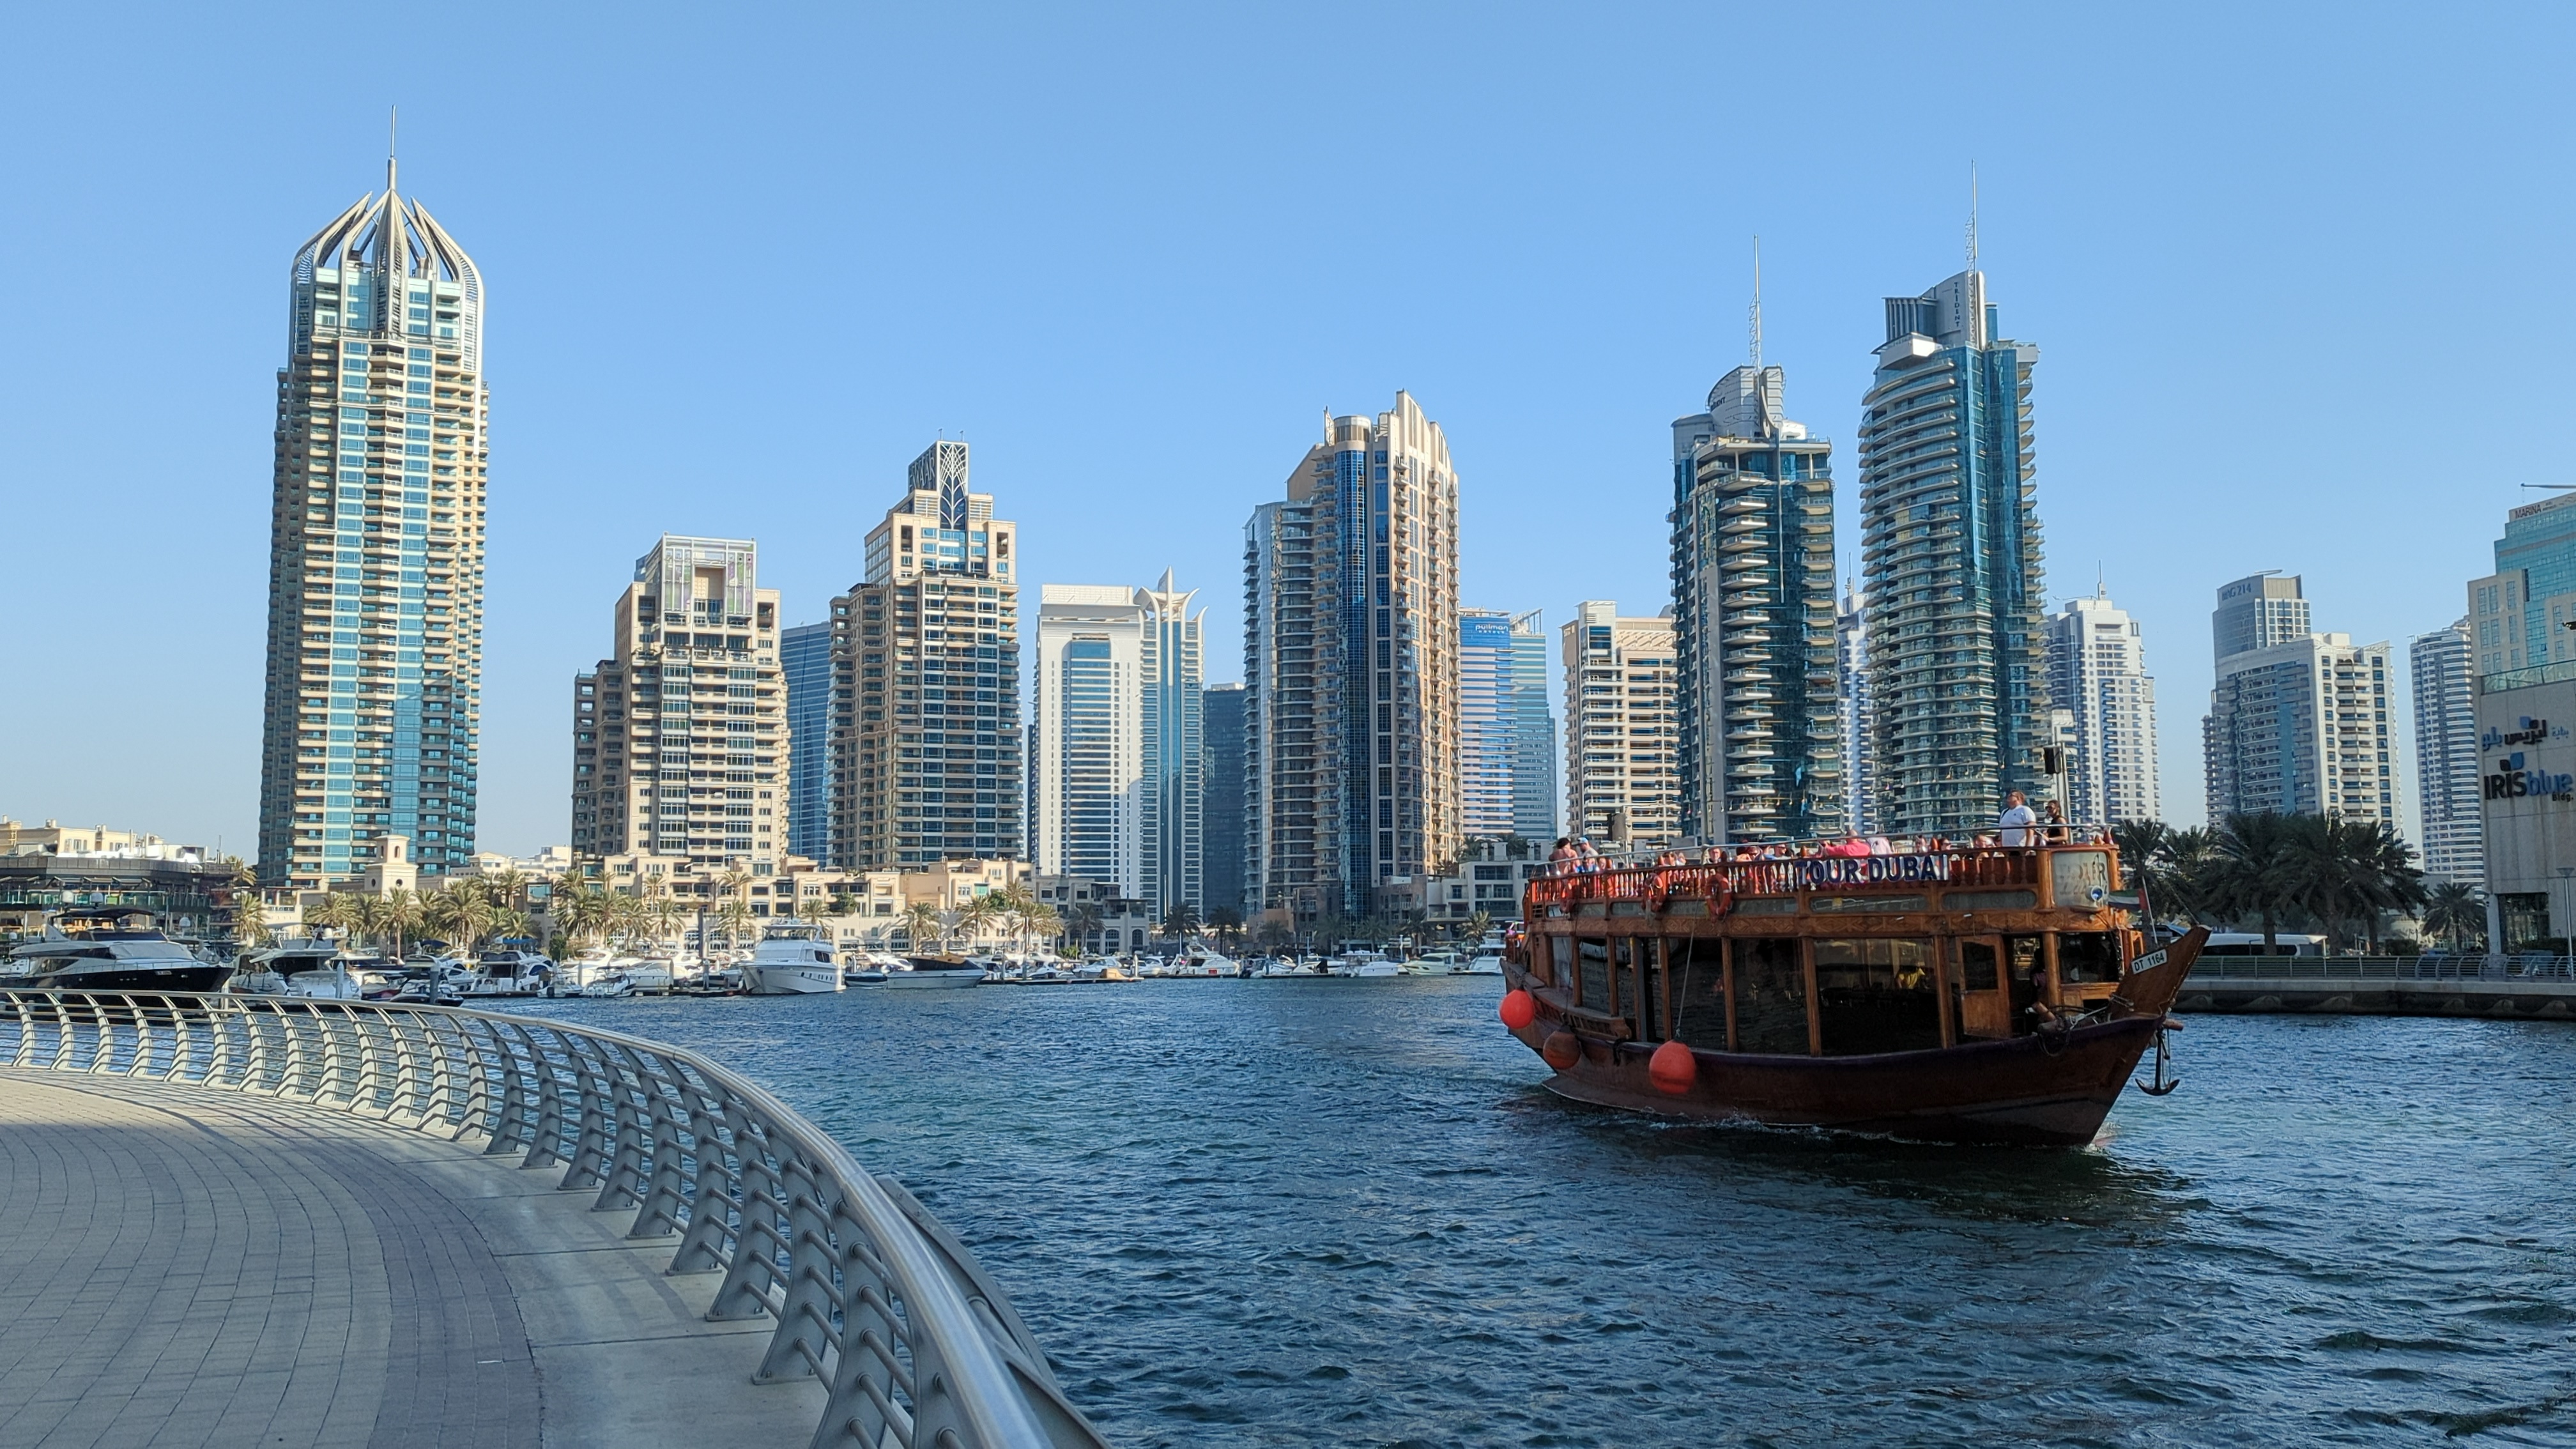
1345	1212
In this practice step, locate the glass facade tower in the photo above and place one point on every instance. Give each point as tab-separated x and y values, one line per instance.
375	617
1951	564
805	659
1116	753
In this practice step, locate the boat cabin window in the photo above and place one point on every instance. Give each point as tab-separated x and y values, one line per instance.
1990	900
1695	977
2087	956
1592	974
1625	954
1557	966
1770	997
1876	995
2022	961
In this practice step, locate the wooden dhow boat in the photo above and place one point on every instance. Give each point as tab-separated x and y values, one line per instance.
1961	994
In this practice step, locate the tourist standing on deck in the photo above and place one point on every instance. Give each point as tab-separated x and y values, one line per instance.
2017	820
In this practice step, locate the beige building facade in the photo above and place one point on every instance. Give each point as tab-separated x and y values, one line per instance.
1622	728
680	735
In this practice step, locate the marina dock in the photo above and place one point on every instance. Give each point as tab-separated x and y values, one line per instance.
2492	986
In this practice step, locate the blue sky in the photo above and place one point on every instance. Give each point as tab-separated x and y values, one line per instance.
745	262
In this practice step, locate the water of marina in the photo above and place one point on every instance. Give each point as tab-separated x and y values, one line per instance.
1345	1213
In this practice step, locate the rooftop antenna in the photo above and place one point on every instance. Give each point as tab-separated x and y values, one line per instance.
1972	216
393	122
1757	304
2549	485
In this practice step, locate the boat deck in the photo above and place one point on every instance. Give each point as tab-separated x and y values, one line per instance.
186	1268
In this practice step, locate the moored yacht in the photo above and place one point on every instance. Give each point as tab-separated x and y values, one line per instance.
110	949
792	959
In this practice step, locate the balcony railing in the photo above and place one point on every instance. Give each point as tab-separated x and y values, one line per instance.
871	1294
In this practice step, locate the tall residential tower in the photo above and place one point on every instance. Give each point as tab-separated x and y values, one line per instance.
1753	619
1950	545
2446	753
1622	731
1506	731
1351	668
1116	752
680	735
375	571
926	742
2097	673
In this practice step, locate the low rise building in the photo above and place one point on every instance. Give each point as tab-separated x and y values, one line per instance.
2526	739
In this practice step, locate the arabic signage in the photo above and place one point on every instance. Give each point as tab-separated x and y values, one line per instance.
2525	731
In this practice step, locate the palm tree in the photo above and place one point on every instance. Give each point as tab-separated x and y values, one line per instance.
1227	922
509	889
734	917
1475	926
2256	871
250	922
1082	923
464	915
398	916
337	911
736	882
920	925
979	914
2455	910
2145	850
1180	920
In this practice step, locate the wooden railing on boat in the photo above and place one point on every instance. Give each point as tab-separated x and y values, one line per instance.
1957	866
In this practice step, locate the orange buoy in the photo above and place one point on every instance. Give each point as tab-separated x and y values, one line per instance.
1672	1068
1519	1010
1561	1049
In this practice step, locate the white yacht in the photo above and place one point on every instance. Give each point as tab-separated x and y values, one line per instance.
792	959
1488	960
109	949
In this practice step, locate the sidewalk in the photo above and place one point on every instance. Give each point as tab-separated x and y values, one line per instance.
193	1268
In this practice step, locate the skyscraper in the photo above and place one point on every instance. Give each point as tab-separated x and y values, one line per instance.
1533	734
926	742
1221	808
2446	753
2525	612
2257	612
1488	722
375	594
1753	618
2097	672
680	735
1622	731
2296	726
1859	746
805	661
1116	752
1950	545
1351	667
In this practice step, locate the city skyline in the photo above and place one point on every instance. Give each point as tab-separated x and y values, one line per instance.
1038	347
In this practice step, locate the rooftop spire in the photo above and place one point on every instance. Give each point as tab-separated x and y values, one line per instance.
393	122
1756	322
1972	216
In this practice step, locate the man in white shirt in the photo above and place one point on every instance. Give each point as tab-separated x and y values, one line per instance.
2017	820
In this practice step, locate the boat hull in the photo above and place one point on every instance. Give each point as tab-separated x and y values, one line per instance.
933	980
801	980
2051	1089
183	978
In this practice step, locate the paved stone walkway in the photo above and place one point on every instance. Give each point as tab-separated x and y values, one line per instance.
190	1268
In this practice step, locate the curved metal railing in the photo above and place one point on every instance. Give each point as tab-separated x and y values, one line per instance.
870	1292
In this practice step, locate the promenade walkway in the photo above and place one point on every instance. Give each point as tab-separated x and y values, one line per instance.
181	1267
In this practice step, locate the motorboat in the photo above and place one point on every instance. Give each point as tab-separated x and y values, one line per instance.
1279	967
1370	964
1107	968
608	984
1203	962
792	959
110	949
935	973
1488	960
507	974
348	978
1434	963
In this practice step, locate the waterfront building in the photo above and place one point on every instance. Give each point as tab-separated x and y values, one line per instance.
1098	918
1753	619
2442	666
2257	612
805	666
2525	612
1859	745
1950	542
375	573
680	740
1506	731
1622	732
1490	877
1221	805
2526	735
1351	669
926	740
1115	751
52	867
2097	672
2301	728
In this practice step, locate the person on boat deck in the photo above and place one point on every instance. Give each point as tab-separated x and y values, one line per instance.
1561	859
2016	824
2055	824
1854	846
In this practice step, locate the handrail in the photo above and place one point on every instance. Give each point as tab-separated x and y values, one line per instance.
2428	967
871	1294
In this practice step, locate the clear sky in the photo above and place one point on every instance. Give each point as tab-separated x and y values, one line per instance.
744	262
